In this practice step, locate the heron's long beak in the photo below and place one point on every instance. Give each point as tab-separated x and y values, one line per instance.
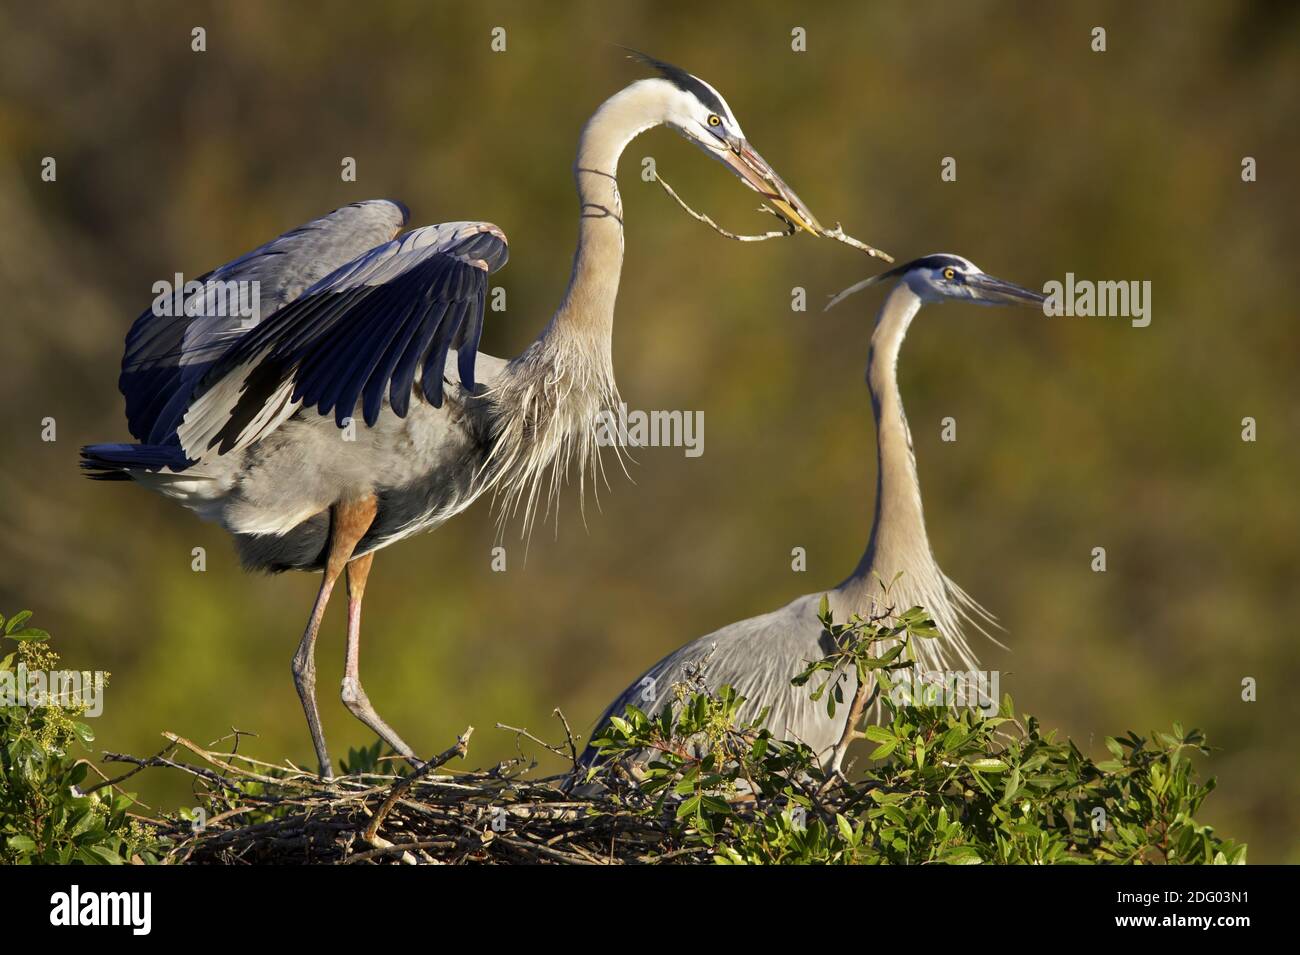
756	173
996	291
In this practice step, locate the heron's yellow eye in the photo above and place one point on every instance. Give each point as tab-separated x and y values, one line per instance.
949	272
715	119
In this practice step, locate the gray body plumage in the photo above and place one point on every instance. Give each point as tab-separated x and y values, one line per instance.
429	461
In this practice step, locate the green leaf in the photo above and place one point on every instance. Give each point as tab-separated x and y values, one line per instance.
107	855
20	843
30	633
1012	786
688	807
884	749
715	804
879	734
961	855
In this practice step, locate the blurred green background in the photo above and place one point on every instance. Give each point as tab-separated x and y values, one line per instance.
1072	433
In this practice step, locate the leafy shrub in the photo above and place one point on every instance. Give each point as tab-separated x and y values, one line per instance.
695	782
943	785
45	814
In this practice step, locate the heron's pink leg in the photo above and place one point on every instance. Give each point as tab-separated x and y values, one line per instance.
354	697
304	675
349	522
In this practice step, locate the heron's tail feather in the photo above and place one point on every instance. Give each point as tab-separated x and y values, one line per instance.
115	462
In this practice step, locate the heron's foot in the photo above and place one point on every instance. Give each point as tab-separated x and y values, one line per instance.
358	704
304	678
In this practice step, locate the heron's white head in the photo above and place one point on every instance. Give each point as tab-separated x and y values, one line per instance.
699	113
944	276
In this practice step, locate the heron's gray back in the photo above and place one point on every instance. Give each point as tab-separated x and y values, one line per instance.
758	657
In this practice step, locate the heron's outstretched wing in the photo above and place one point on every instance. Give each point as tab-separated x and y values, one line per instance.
167	354
358	333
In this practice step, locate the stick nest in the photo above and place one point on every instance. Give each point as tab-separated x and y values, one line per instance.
259	813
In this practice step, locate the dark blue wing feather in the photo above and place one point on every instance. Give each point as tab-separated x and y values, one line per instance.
362	331
166	355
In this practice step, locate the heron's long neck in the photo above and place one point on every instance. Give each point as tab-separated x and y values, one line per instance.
547	409
585	317
898	540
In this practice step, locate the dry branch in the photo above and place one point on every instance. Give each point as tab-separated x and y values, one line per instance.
837	233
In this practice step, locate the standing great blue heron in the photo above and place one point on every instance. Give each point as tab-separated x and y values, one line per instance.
759	656
250	424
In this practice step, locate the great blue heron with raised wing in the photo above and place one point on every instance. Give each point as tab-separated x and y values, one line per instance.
759	656
249	423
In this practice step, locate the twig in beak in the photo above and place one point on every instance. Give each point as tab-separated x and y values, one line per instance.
790	228
838	233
